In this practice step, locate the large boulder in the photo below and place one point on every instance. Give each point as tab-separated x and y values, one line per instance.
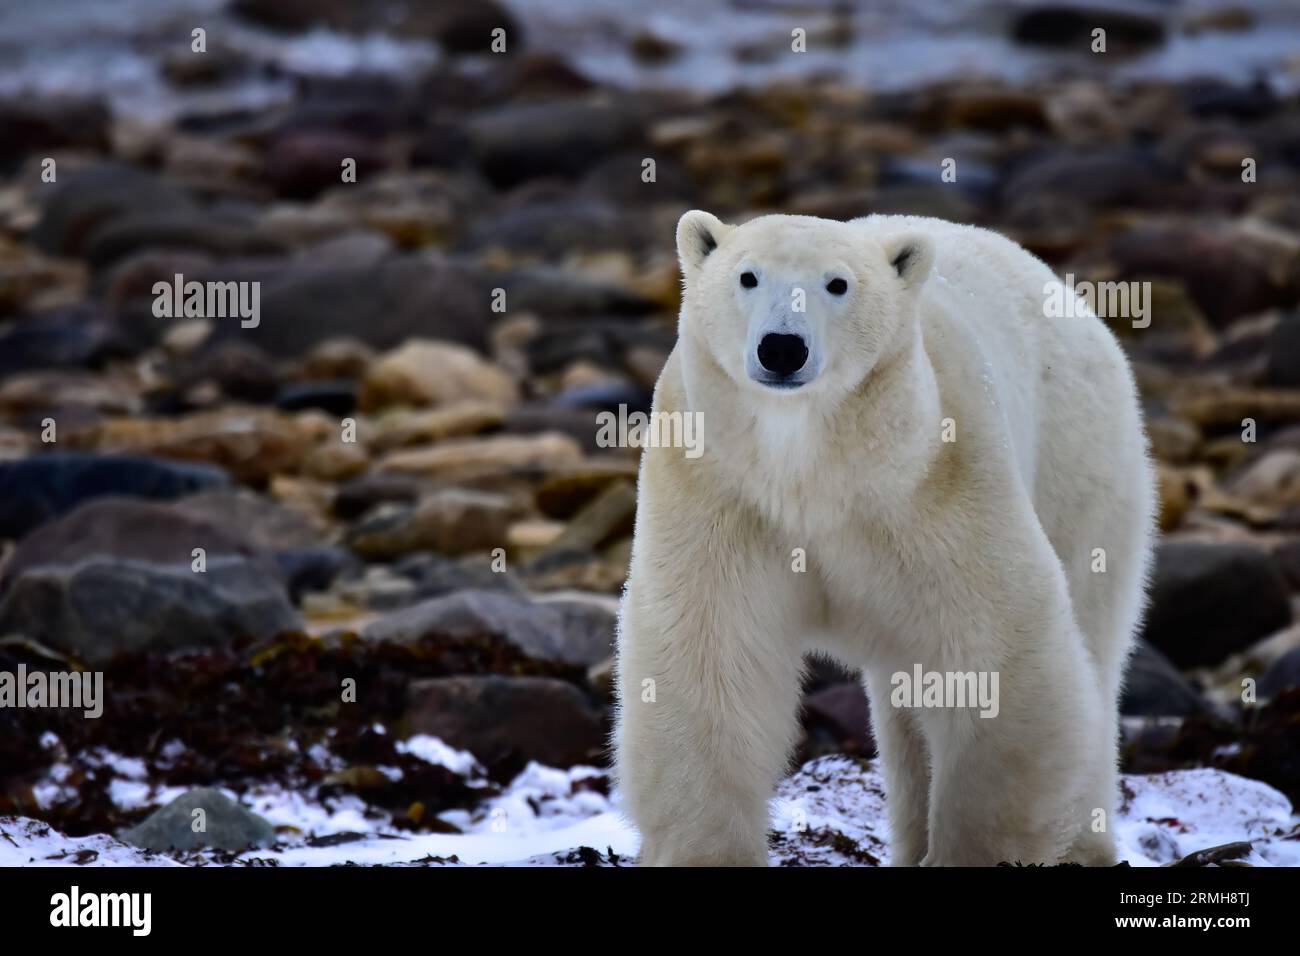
565	631
1211	600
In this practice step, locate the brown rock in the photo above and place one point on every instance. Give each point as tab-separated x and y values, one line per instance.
433	373
452	521
458	461
509	720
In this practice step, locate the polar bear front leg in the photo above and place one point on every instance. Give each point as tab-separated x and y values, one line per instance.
708	685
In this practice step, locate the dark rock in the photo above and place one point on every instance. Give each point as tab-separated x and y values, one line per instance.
300	165
604	396
382	304
570	632
459	25
44	487
1071	25
1120	177
354	498
509	720
336	397
99	607
554	227
1211	600
515	143
1248	101
176	229
42	124
79	335
840	712
312	569
435	575
226	825
1282	674
1283	353
1153	687
553	292
90	198
239	368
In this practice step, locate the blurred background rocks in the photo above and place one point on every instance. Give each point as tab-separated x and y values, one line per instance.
394	481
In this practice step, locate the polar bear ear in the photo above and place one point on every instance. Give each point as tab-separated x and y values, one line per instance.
911	255
698	234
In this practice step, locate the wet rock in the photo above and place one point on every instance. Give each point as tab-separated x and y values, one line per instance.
508	720
567	632
1153	687
91	198
451	521
433	373
226	825
40	488
1210	600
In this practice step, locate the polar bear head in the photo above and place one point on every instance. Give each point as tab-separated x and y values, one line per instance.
796	305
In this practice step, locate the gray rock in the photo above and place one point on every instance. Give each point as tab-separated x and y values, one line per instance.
226	825
509	719
90	198
101	607
571	632
1211	600
1153	687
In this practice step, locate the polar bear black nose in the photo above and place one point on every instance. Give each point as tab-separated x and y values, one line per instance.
782	354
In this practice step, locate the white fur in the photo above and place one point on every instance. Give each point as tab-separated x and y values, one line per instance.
973	555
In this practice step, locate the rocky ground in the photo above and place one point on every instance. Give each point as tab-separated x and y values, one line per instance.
395	483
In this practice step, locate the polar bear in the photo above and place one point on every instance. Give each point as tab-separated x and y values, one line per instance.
908	464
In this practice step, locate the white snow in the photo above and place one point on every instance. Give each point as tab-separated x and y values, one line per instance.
829	813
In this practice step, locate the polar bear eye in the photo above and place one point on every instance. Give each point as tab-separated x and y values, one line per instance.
748	280
837	287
